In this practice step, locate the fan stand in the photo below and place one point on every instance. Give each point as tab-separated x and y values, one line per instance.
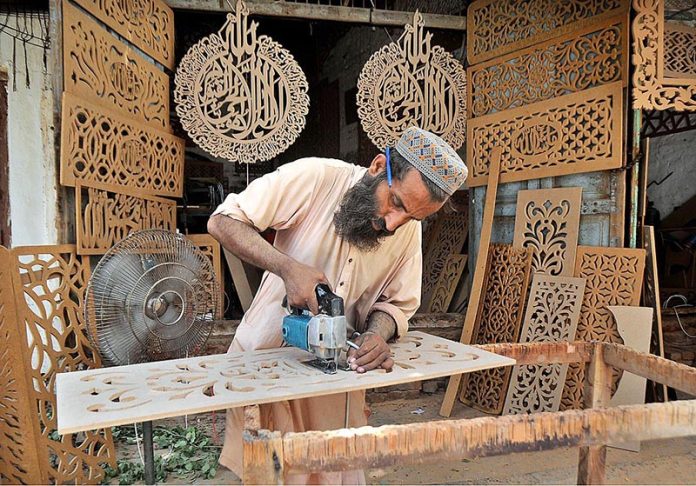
149	453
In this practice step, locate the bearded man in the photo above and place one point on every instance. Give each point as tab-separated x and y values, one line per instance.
357	230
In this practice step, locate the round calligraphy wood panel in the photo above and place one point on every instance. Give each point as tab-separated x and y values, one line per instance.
240	96
412	83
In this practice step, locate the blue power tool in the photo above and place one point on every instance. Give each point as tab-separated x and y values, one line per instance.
323	335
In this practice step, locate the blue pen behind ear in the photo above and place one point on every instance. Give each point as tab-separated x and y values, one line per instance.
389	178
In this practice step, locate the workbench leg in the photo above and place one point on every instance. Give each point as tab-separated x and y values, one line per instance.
263	451
149	453
592	461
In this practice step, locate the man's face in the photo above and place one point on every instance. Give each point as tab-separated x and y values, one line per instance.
371	210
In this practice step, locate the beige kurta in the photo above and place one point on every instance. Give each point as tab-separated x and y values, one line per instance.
299	200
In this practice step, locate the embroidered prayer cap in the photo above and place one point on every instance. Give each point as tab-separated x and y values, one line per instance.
433	157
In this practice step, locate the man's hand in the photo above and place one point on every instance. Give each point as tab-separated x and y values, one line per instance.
300	282
373	353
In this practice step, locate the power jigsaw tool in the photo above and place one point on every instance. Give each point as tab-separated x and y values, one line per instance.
324	334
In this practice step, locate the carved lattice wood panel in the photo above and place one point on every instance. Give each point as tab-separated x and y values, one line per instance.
552	315
498	321
548	221
49	289
104	218
104	70
614	276
99	146
240	96
575	133
210	247
447	283
149	24
171	388
497	27
582	59
412	82
19	460
679	61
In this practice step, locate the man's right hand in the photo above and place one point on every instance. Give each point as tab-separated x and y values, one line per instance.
300	282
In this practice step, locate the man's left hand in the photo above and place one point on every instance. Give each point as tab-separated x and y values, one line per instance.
373	353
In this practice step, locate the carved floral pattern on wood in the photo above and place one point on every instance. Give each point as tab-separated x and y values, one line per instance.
447	283
680	47
239	95
411	82
104	70
614	276
210	247
571	134
552	316
548	221
496	27
499	321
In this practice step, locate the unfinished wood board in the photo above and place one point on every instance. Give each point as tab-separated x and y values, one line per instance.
411	82
49	284
100	68
447	283
103	217
651	292
99	146
499	320
210	247
595	55
151	391
552	315
147	24
239	95
614	276
548	221
571	134
635	326
497	27
19	454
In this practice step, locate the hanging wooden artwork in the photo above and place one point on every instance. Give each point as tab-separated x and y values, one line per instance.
103	218
411	82
49	284
497	27
241	96
575	133
548	221
210	247
552	316
98	146
576	61
447	283
99	68
614	276
679	63
499	321
148	24
172	388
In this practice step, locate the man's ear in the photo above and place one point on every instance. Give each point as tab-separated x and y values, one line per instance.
379	164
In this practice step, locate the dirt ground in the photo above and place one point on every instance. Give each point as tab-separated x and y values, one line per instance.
659	462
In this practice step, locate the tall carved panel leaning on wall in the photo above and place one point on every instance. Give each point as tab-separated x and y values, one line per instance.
148	24
49	284
497	27
100	68
210	247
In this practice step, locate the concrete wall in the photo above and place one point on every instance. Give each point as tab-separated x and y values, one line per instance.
32	165
674	154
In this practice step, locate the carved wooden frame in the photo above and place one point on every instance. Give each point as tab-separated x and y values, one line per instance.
447	283
211	248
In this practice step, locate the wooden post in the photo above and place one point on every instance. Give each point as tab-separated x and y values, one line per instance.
263	451
592	461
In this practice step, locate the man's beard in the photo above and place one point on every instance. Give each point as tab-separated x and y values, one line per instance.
354	219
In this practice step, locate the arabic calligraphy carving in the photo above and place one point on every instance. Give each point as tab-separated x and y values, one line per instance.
241	96
412	83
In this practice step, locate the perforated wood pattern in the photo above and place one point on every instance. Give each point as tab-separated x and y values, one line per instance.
104	218
680	43
547	221
496	27
580	132
447	283
614	276
101	69
576	61
100	146
149	24
552	315
210	247
411	82
499	321
49	288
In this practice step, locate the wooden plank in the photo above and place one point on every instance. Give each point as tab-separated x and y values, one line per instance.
571	134
262	457
5	228
101	69
447	283
543	353
479	274
241	279
151	391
